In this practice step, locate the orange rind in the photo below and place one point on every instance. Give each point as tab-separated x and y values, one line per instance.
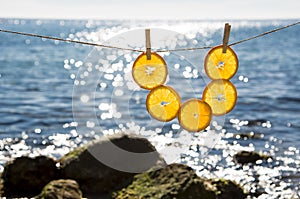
221	95
219	65
149	74
194	115
163	103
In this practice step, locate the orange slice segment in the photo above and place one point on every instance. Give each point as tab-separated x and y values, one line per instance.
149	74
221	95
219	65
163	103
194	115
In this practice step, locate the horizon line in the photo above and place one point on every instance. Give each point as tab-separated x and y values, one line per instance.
147	19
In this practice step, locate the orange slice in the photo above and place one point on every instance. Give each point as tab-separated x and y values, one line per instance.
163	103
194	115
149	74
221	95
219	65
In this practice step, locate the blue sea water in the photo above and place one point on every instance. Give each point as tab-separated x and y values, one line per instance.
40	80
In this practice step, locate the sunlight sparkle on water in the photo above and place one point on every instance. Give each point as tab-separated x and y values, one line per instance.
84	98
218	163
243	78
37	131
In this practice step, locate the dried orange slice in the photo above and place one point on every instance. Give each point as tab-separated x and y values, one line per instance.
163	103
219	65
194	115
221	95
149	74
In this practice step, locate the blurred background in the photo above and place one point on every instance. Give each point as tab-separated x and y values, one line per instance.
38	77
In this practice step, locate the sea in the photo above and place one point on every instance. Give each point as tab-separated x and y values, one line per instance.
56	96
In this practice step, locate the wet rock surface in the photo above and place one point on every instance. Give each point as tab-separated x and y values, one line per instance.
80	173
95	178
61	189
180	182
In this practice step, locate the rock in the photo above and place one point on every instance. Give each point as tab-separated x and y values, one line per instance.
180	182
244	157
256	122
250	135
26	177
96	178
61	189
1	187
227	189
173	181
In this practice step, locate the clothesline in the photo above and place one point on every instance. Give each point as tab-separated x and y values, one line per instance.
136	50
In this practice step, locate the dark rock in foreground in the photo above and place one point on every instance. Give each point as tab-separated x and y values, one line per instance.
105	169
227	189
61	189
85	164
180	182
244	157
26	177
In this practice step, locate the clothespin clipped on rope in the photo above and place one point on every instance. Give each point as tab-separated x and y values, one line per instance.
148	44
226	36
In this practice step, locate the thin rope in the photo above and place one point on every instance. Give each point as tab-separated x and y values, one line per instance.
184	49
265	33
235	43
135	50
68	40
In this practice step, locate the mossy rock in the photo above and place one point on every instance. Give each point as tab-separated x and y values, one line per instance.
96	178
245	157
227	189
177	181
61	189
72	155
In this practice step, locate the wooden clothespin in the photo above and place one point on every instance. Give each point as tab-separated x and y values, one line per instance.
148	44
226	36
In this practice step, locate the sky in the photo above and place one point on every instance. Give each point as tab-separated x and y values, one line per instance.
151	9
